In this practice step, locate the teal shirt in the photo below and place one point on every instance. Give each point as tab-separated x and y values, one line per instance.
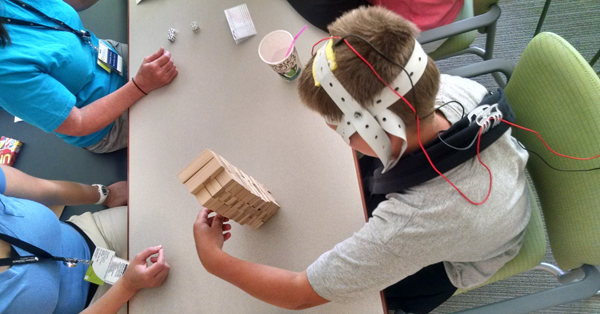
44	73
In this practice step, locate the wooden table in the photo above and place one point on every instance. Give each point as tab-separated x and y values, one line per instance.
227	100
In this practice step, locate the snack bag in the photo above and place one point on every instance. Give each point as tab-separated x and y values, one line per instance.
9	149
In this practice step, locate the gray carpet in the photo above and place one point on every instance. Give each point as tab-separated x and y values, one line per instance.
578	22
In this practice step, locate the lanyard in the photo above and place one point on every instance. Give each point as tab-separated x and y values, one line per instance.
39	254
83	34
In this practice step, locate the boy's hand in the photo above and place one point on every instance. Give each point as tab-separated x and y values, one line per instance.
209	234
118	194
139	275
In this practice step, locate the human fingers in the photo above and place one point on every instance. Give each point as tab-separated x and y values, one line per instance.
162	275
162	60
169	72
153	259
159	265
217	222
226	236
174	74
226	227
155	55
143	255
203	216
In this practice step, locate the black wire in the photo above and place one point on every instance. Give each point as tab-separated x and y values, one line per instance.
385	57
552	167
440	107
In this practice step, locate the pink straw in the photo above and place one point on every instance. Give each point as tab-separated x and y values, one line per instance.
293	41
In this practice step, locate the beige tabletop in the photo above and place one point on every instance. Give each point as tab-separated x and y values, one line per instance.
227	100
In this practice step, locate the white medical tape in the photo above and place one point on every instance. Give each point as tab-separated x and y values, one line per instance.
356	118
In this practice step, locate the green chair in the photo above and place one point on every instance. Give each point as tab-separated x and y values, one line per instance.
476	15
554	91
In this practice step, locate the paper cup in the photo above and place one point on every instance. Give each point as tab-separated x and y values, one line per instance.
272	50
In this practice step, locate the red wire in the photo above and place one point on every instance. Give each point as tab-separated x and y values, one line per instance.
312	51
419	134
548	147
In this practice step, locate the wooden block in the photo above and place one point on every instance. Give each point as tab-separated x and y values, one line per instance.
235	188
213	187
262	193
259	211
263	215
242	211
260	223
208	172
244	220
222	209
250	212
271	210
195	165
213	204
233	208
226	179
232	201
223	195
203	196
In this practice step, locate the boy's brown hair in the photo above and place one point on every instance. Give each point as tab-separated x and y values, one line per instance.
393	36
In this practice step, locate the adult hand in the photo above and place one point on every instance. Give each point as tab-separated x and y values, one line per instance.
209	234
139	275
118	194
156	71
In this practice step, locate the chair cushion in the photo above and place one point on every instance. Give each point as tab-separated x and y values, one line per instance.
532	252
554	91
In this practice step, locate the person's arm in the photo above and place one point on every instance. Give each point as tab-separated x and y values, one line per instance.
286	289
48	192
80	5
156	71
137	276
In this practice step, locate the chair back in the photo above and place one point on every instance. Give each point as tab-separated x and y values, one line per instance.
554	91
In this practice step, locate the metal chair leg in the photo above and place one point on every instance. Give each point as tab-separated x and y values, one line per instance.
542	18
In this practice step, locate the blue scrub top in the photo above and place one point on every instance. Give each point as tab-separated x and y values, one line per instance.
46	287
44	73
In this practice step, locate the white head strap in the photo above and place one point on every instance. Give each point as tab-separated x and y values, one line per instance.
371	123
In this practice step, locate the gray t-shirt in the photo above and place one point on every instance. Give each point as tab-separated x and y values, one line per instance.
432	222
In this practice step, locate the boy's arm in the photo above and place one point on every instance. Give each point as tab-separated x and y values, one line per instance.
47	192
286	289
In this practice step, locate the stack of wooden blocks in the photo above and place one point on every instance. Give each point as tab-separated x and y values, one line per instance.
228	191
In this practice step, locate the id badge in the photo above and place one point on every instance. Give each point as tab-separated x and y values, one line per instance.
108	59
105	267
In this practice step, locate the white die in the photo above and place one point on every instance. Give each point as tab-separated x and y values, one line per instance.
172	35
195	27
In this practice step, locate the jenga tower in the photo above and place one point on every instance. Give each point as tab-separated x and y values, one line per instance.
228	191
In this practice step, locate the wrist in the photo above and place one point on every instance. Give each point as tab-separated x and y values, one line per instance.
103	194
212	259
129	289
139	86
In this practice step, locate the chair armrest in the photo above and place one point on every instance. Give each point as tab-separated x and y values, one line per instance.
460	27
583	289
484	67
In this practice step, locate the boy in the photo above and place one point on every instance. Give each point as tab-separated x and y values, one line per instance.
423	240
